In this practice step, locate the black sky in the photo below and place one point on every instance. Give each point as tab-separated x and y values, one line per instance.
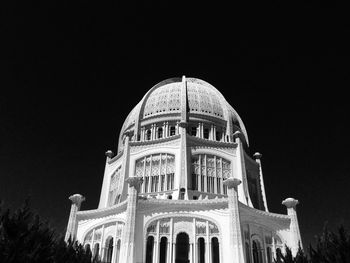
72	71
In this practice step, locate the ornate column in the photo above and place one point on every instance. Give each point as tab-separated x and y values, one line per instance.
207	243
257	157
291	204
171	241
235	223
128	238
72	226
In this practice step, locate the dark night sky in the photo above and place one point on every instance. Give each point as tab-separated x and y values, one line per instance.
71	72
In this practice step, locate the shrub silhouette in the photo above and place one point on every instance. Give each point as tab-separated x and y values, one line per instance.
24	237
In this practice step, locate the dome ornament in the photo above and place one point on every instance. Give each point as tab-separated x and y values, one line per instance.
109	154
257	155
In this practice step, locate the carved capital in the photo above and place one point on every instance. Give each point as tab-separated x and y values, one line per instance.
77	199
128	133
109	154
237	134
183	124
134	181
290	202
232	182
257	155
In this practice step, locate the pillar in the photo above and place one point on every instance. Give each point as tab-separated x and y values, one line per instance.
236	245
257	157
72	226
291	204
128	238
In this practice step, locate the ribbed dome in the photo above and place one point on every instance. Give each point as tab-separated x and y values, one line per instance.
164	99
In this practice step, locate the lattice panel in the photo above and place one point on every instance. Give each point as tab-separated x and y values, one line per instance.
164	99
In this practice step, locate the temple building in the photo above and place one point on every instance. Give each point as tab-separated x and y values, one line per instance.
182	187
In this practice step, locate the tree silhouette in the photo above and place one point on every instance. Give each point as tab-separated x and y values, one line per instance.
330	248
24	237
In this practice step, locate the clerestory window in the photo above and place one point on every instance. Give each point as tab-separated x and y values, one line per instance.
157	171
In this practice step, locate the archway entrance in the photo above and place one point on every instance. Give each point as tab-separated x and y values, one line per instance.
182	248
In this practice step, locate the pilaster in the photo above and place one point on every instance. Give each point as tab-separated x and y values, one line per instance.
236	245
128	237
72	227
291	204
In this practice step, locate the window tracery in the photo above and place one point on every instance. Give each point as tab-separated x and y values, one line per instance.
209	172
157	171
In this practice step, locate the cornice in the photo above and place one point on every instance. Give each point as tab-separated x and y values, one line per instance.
253	211
98	213
115	158
205	143
155	142
166	205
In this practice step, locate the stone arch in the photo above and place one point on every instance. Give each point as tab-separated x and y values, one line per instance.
177	215
257	249
97	225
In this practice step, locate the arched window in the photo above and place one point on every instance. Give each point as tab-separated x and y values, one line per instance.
157	171
87	247
160	132
209	172
194	131
117	254
206	133
182	247
163	250
215	253
201	250
148	135
96	251
172	130
247	252
109	250
257	253
268	254
149	249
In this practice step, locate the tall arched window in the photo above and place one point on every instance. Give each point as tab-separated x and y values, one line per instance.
148	135
109	250
149	249
117	254
268	254
157	171
96	251
209	172
172	130
257	253
201	250
247	252
160	132
163	250
215	253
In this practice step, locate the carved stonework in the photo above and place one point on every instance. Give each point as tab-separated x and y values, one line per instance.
134	181
232	182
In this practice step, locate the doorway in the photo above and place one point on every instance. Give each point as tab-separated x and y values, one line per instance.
182	248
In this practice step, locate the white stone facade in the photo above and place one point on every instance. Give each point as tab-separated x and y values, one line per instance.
182	188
